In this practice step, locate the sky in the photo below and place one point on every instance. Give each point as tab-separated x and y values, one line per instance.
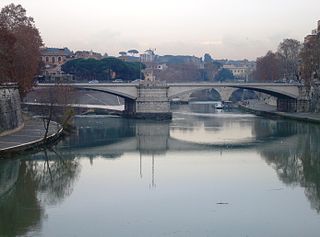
231	29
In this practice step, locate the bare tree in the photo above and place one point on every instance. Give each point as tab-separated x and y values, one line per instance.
310	69
7	41
26	49
55	105
268	67
289	50
310	59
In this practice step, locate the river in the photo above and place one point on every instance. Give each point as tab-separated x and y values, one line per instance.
205	173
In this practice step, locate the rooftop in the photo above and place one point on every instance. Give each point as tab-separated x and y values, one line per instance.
55	52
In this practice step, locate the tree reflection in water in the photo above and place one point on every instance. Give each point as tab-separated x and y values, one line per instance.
299	162
54	178
40	180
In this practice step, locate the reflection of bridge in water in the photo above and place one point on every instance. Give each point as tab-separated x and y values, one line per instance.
117	136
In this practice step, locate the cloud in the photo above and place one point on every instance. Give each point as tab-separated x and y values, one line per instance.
104	41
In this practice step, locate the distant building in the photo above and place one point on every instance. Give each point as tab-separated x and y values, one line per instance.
314	34
161	66
240	72
53	58
148	75
241	69
148	57
88	54
181	59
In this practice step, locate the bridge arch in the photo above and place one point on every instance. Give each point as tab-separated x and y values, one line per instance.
123	92
243	93
224	94
210	92
225	90
276	92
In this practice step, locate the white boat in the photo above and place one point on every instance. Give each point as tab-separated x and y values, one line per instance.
218	105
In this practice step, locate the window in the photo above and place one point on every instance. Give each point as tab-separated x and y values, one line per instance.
53	60
47	59
59	59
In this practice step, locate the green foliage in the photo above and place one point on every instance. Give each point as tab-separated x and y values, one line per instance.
224	75
133	52
103	70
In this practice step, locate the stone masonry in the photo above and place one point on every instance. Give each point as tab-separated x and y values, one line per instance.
10	108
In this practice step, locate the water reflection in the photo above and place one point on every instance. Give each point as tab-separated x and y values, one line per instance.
9	171
27	186
110	137
32	183
298	162
53	175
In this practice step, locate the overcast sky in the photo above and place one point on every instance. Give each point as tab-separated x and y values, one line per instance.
231	29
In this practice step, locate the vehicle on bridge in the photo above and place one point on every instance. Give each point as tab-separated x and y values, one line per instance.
94	82
117	81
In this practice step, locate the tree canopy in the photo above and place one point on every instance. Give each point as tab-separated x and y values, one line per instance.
20	44
310	60
133	52
123	53
289	50
103	70
268	67
283	64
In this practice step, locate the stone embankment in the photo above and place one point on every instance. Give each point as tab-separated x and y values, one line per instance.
29	137
10	109
18	133
262	109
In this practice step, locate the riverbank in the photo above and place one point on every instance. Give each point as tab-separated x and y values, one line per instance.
28	137
262	109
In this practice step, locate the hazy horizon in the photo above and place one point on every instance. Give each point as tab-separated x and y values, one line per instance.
226	29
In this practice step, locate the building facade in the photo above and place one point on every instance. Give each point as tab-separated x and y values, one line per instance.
53	58
148	57
239	72
88	54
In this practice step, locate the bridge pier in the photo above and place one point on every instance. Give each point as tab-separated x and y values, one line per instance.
152	102
225	92
293	105
286	105
303	105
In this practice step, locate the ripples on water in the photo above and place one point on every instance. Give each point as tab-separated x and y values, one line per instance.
206	173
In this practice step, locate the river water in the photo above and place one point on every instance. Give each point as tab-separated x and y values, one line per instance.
205	173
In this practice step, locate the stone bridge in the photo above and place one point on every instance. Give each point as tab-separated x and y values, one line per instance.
152	99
